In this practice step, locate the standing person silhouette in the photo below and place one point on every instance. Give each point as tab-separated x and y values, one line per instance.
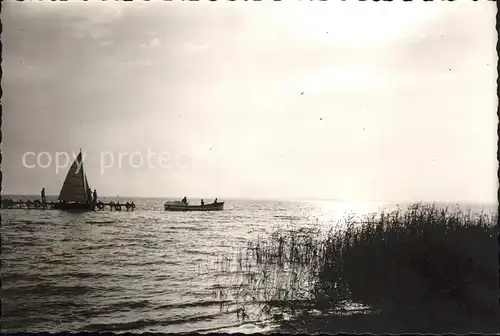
43	195
95	196
89	196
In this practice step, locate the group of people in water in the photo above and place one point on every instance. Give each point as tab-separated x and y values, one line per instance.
184	200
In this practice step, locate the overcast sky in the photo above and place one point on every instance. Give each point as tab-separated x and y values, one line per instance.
337	100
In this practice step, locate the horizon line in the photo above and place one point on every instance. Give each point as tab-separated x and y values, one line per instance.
296	199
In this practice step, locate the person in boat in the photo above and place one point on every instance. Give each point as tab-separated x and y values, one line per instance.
215	201
202	203
43	195
184	200
95	196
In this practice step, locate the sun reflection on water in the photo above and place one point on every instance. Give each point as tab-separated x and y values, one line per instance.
326	213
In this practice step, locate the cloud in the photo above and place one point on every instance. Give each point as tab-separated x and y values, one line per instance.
94	20
84	28
360	25
153	43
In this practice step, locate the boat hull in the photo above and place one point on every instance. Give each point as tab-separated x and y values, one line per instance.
74	207
206	207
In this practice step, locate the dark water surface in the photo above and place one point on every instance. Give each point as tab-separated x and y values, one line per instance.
136	271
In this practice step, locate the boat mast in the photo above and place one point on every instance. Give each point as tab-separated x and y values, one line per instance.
83	177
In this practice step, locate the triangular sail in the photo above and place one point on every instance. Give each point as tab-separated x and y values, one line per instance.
74	186
87	187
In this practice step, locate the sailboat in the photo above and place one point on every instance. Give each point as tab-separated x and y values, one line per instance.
75	193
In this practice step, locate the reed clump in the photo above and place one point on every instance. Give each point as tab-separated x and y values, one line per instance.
418	258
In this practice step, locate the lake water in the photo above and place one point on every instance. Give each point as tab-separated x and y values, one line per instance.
137	271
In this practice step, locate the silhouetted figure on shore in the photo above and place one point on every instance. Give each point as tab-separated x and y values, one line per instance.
43	195
202	203
95	196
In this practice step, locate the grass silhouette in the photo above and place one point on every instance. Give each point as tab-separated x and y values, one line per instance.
424	269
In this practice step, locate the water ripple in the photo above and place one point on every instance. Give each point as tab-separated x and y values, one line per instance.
131	271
